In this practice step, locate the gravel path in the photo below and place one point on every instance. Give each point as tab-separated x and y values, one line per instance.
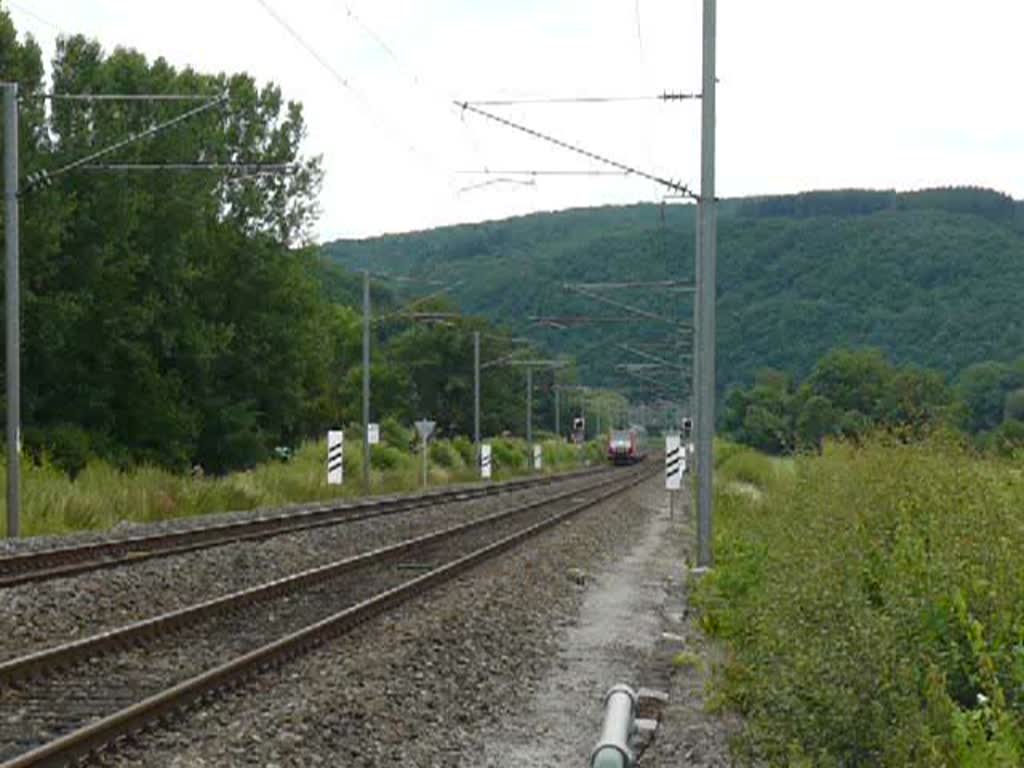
423	686
34	616
631	624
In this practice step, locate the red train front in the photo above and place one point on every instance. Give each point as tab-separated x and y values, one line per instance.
625	446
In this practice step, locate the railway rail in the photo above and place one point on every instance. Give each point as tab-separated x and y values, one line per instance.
41	565
63	703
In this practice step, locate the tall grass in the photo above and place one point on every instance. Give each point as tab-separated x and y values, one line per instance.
873	601
101	496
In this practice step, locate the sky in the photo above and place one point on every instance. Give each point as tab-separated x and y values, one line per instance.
812	94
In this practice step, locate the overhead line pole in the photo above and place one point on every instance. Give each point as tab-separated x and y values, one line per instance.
529	405
366	381
704	306
13	305
476	393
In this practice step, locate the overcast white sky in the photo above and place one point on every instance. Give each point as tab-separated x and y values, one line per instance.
813	93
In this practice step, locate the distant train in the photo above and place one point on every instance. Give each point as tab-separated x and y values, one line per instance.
627	446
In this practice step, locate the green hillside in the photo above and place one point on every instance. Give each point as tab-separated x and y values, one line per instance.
932	278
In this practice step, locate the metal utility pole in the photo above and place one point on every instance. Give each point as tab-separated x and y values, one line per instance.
529	405
12	301
704	306
366	381
476	393
558	415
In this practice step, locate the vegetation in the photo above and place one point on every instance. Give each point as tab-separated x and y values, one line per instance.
873	604
931	278
179	318
102	496
852	393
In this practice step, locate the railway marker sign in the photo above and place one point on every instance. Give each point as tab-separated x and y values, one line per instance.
373	434
335	456
675	462
537	457
485	461
425	429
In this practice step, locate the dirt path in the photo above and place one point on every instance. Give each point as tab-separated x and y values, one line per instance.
632	623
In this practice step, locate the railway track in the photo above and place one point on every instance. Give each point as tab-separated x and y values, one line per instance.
46	564
63	703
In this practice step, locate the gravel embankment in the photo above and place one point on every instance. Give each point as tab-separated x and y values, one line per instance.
35	616
419	686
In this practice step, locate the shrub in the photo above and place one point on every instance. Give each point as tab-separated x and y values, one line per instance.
874	608
466	450
386	457
444	455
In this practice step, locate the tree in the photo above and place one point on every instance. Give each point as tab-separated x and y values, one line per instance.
983	387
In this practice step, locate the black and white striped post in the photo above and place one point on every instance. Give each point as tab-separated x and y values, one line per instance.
675	465
335	456
485	461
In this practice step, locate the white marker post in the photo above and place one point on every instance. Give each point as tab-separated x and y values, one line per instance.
335	456
675	463
537	458
485	461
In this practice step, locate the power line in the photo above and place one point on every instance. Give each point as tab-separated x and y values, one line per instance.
344	81
492	182
680	188
123	97
489	172
666	96
257	168
45	177
34	15
302	41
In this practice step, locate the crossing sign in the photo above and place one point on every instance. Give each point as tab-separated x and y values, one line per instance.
675	462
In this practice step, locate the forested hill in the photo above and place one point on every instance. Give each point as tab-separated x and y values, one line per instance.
932	277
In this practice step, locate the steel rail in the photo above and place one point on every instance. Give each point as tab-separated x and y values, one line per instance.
63	656
41	565
80	743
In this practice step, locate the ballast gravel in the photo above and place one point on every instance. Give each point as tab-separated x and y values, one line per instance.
419	686
39	615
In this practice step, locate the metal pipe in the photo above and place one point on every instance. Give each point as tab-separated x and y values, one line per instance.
612	750
12	299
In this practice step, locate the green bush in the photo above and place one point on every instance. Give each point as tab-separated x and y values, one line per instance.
68	447
508	455
875	610
749	467
444	455
386	457
466	450
394	434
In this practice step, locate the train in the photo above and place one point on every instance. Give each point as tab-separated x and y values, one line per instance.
627	446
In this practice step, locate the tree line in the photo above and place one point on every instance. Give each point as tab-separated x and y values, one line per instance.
852	392
180	318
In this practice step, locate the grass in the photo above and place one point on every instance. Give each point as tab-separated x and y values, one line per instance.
101	496
873	603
